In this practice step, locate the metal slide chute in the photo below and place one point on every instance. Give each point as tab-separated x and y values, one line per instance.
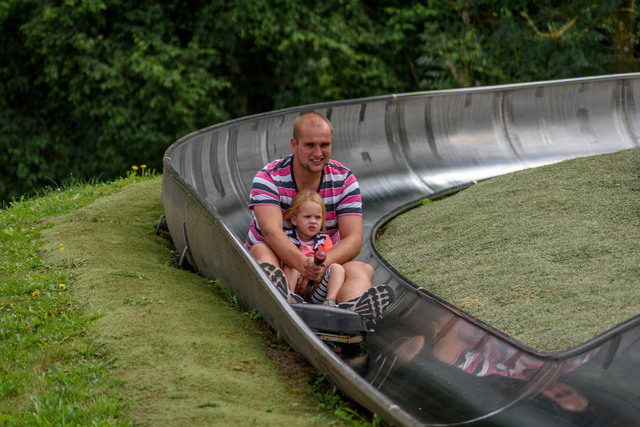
425	361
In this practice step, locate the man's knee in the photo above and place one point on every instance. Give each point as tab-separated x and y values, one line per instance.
360	269
359	278
263	253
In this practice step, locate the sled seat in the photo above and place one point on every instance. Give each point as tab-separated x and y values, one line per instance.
332	323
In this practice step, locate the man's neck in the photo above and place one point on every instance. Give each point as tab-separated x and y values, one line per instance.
305	180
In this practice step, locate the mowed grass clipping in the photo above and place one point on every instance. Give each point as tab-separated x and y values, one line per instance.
550	255
99	328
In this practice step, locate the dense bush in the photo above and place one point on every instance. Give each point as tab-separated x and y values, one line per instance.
88	88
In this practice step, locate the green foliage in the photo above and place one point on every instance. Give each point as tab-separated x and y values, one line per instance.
227	294
330	51
89	87
286	53
461	44
253	315
132	274
332	401
280	343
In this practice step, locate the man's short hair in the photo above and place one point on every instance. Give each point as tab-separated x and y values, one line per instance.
313	117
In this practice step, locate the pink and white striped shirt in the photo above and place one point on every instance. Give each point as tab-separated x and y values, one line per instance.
275	185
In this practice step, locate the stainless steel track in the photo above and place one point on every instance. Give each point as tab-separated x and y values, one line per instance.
403	148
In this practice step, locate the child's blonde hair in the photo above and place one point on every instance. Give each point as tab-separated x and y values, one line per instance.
299	199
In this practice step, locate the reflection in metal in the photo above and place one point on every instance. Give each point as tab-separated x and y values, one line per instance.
427	362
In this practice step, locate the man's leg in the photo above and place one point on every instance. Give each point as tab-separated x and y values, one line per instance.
358	279
271	265
291	274
263	253
358	295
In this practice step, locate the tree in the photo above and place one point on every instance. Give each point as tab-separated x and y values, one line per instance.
284	53
488	42
93	86
90	87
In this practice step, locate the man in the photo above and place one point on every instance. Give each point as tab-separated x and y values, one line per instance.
310	168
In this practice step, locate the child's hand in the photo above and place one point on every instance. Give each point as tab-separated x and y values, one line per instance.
313	276
311	271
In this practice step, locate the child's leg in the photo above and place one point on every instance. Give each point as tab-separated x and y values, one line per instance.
291	275
330	285
336	280
320	293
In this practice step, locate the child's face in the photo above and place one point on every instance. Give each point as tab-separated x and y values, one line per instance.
308	220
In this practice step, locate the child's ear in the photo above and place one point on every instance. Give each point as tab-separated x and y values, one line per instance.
293	221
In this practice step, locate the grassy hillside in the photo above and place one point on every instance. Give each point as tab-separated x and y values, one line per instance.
550	255
98	327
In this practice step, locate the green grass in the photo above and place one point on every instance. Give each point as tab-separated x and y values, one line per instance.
130	339
550	255
51	370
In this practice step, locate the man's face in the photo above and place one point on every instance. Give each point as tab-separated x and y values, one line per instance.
312	148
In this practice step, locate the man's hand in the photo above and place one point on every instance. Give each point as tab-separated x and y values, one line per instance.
309	272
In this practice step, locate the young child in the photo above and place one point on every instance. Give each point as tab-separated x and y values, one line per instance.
307	215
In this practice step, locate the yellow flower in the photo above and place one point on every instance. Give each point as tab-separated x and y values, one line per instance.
143	166
135	168
62	285
35	294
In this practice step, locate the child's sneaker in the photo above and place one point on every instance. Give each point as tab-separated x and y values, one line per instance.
372	303
280	282
330	302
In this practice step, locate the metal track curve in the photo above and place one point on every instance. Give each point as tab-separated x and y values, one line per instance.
403	148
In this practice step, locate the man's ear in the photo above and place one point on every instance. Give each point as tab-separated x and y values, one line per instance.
294	145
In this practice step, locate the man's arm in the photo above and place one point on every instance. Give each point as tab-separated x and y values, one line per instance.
350	228
270	221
